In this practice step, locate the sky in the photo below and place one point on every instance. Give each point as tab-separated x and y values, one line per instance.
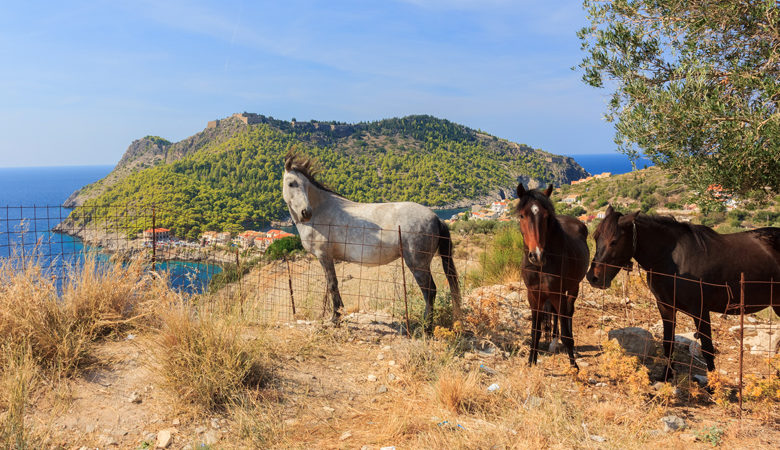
79	81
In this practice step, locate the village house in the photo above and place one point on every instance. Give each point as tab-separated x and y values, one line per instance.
277	234
262	242
214	238
246	239
157	233
592	177
571	198
499	206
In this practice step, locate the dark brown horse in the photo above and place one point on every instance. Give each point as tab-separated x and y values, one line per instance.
690	268
555	259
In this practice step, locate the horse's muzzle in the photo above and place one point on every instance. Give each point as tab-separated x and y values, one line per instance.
306	214
536	257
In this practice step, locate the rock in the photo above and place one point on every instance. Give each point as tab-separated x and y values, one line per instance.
371	378
600	384
658	385
328	409
391	363
164	439
760	339
380	356
200	430
211	437
689	343
390	377
597	438
176	422
635	341
493	387
89	428
688	437
672	423
134	397
381	389
130	336
386	348
701	379
215	424
469	356
107	440
532	402
346	435
751	319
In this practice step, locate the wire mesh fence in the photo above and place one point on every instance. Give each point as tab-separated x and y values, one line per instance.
494	300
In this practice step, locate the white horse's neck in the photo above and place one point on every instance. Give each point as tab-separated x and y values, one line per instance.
322	201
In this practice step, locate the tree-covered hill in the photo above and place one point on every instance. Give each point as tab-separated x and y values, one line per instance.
229	177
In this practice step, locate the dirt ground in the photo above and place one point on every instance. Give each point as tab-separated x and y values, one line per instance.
358	386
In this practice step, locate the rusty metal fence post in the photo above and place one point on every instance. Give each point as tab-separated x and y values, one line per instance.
403	276
290	284
154	239
741	336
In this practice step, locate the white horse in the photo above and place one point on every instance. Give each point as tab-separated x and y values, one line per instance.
336	229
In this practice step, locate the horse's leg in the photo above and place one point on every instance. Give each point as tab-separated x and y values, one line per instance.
428	288
333	287
705	334
669	317
567	332
536	325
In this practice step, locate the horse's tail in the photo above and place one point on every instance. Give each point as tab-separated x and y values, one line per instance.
448	264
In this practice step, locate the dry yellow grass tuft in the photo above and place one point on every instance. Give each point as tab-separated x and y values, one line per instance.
100	299
459	392
18	377
204	360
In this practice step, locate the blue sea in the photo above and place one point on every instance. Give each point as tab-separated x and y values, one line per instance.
29	209
616	163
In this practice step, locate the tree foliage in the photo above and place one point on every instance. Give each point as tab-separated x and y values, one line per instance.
235	184
696	85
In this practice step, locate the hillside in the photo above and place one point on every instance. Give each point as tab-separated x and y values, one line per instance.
228	177
655	191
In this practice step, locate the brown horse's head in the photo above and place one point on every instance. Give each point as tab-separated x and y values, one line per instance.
615	245
535	212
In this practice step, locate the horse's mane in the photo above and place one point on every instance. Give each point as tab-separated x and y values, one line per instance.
307	167
700	233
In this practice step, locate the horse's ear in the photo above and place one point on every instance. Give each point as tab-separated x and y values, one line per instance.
520	190
609	211
632	217
288	160
548	192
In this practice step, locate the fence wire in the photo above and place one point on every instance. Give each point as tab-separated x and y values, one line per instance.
495	302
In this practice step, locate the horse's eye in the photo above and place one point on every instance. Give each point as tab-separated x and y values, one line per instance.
614	242
521	216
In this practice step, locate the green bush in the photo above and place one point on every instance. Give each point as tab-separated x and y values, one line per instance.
283	247
474	226
504	259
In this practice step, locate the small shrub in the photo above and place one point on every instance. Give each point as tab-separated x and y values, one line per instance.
503	261
280	248
205	361
459	393
759	388
712	435
623	369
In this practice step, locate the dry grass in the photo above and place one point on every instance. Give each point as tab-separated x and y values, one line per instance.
99	300
204	360
18	377
459	392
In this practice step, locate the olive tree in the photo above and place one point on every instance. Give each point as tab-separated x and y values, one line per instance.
696	86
